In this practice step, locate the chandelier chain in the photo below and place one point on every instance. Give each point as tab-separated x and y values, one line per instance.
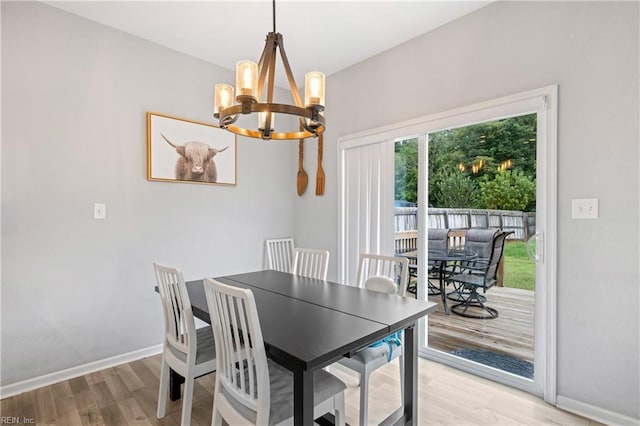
274	16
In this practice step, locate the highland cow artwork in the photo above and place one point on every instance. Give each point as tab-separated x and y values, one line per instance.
180	150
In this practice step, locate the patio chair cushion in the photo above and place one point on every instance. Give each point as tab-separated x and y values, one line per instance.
480	241
437	239
473	279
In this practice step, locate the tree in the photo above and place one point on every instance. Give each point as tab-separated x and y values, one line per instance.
462	159
480	152
454	190
507	191
406	170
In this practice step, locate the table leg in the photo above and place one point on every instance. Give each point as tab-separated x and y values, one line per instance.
443	293
175	380
410	402
302	397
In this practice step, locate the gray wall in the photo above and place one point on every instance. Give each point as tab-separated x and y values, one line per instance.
74	99
591	51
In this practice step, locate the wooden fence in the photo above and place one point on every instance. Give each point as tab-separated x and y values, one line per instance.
523	224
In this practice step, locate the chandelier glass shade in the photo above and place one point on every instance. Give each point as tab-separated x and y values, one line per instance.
251	81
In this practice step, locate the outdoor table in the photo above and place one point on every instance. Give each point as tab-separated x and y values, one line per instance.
442	258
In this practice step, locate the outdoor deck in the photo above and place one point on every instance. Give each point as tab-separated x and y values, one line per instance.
510	334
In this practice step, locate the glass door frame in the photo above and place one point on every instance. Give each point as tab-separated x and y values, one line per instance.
543	102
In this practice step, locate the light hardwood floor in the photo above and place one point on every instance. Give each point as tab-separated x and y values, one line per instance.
127	395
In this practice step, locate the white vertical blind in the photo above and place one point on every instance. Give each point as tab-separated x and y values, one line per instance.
367	203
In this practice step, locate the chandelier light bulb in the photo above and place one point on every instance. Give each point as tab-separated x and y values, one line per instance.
314	88
247	78
223	97
262	120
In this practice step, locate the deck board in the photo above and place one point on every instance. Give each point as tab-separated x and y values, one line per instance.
512	333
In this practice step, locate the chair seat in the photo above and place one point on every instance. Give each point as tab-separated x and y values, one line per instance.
325	386
471	279
369	354
206	350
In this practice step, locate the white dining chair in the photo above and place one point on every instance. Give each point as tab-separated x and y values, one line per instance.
250	389
311	263
190	352
385	274
393	267
280	254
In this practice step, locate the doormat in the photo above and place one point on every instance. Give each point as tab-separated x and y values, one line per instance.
502	362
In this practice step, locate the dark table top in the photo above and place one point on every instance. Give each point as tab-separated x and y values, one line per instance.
311	323
389	309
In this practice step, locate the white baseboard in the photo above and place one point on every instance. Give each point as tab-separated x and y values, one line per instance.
70	373
595	413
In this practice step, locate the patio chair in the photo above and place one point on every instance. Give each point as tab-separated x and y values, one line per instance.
475	275
386	274
188	351
438	239
311	263
280	254
480	242
251	389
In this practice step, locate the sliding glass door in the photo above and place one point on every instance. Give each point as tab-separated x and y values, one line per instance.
378	216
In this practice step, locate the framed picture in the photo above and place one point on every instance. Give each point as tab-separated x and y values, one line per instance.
180	150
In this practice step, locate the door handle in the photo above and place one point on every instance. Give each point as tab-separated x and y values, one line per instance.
537	257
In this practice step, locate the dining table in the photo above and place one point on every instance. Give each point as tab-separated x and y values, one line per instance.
308	324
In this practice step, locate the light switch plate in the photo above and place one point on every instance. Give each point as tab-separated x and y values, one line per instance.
99	211
584	208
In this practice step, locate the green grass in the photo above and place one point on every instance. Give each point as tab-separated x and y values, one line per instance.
519	269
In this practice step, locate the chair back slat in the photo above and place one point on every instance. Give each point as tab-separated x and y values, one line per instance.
242	372
280	253
311	263
395	268
457	238
176	308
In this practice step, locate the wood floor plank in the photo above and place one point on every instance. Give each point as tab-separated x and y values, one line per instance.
115	384
103	395
45	407
63	398
112	415
144	373
133	413
91	415
129	377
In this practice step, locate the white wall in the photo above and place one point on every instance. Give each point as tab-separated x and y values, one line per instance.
591	51
74	99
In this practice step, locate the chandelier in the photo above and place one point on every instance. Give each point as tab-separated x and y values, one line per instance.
250	85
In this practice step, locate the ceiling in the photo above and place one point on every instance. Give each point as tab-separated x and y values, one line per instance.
326	36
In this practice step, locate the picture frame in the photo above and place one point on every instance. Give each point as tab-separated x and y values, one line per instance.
188	151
